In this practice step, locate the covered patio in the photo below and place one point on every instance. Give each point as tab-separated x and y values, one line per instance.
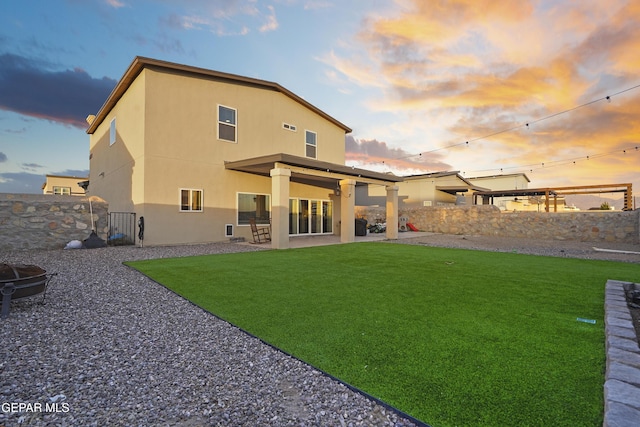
340	179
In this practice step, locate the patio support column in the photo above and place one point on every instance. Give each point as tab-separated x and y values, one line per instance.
348	210
280	208
546	201
392	212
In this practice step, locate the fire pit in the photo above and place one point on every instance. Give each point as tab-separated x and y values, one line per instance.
21	281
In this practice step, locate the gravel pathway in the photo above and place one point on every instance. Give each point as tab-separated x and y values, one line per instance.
558	248
111	347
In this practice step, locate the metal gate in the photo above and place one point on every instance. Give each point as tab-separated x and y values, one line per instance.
122	228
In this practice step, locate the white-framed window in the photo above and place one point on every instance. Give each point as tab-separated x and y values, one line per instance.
112	132
190	200
251	205
227	123
311	144
65	191
290	127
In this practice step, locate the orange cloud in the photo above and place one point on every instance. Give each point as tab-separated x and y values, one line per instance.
475	69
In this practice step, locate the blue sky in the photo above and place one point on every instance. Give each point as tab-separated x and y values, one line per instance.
479	86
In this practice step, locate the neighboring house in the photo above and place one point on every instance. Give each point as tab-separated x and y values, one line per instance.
511	193
514	181
64	185
431	189
197	153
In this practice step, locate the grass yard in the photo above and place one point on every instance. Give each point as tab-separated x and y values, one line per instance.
451	337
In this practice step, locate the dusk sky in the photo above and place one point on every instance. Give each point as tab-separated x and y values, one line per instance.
477	86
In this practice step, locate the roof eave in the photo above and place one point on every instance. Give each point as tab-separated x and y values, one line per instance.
243	165
139	63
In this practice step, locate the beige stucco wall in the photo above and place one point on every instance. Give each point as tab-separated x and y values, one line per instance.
181	114
411	193
167	140
117	171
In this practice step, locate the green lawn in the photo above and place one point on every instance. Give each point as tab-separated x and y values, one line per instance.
451	337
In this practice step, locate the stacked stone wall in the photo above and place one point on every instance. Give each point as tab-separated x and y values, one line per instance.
488	220
34	221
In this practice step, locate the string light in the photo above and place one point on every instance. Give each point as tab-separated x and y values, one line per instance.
555	163
526	124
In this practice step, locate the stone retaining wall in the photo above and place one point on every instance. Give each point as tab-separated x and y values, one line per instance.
488	220
35	221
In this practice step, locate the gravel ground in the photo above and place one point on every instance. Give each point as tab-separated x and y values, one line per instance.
558	248
110	347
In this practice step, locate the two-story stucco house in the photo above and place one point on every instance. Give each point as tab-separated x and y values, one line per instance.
198	153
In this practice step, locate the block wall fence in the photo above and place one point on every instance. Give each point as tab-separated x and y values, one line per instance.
488	220
34	221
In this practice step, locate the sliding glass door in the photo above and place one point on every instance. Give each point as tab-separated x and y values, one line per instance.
308	216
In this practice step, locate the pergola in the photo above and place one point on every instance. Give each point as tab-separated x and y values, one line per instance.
488	196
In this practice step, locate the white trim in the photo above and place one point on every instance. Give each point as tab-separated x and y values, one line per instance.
307	144
190	190
234	125
252	194
310	200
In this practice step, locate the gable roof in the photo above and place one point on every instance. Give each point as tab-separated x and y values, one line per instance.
140	63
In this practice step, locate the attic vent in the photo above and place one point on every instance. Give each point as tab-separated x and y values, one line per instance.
287	126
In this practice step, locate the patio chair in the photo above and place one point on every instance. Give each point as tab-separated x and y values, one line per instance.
260	234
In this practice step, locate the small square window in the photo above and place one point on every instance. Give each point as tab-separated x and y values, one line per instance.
190	200
66	191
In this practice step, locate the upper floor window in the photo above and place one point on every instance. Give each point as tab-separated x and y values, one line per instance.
62	190
190	200
227	125
311	147
112	132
